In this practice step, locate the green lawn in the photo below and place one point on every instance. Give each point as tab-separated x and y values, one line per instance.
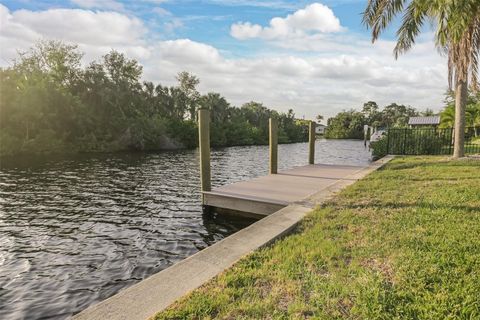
403	243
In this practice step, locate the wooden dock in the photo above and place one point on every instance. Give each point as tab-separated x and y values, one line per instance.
285	197
265	195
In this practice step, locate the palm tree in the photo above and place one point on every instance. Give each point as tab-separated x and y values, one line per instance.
473	117
447	117
457	34
476	120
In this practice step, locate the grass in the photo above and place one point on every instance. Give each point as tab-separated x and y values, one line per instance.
403	243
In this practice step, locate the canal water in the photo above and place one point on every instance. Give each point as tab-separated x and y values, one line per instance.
75	230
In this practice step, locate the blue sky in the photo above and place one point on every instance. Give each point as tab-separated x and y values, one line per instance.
209	21
315	57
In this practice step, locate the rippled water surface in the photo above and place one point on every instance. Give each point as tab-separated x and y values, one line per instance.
76	230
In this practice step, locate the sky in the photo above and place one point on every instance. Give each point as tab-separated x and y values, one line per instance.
312	57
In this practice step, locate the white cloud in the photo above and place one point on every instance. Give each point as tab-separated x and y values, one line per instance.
245	30
95	32
154	1
185	52
99	4
161	11
316	18
173	24
311	84
255	3
336	73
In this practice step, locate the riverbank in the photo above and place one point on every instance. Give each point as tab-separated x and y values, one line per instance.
166	144
402	242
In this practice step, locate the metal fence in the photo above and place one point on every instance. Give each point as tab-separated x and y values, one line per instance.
425	141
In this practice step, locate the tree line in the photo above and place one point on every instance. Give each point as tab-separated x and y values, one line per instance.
51	103
349	124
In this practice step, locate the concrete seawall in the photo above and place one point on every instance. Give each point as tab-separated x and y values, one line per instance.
157	292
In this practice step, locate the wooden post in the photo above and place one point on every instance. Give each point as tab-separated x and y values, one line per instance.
204	145
311	142
365	134
273	139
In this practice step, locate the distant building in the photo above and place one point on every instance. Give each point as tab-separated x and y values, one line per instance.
431	121
320	129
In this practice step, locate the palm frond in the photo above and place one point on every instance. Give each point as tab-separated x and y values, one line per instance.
412	22
475	53
379	14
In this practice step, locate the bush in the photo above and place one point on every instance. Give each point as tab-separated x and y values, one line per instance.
239	134
46	141
9	144
218	136
184	131
379	147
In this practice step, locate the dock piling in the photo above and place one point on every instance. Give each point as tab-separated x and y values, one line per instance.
273	139
204	146
311	142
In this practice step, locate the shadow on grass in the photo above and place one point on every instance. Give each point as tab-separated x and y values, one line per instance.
421	163
417	205
410	165
420	178
444	179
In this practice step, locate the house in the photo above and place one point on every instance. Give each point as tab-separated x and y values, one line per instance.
431	121
320	129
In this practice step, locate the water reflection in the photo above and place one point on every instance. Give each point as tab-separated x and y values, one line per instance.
74	230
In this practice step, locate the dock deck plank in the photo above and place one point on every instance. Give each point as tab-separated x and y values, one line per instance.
282	189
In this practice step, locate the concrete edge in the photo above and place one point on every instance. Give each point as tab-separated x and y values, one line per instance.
155	293
243	197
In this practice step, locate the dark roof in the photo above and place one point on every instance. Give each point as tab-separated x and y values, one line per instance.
424	120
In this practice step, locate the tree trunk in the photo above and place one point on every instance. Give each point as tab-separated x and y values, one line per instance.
193	113
460	106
